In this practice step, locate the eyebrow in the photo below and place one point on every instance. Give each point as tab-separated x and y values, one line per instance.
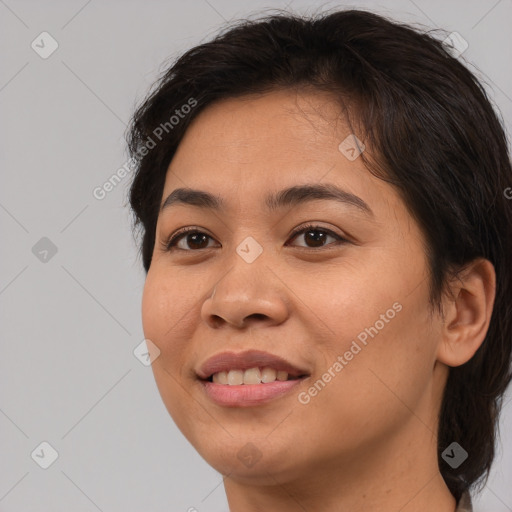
291	196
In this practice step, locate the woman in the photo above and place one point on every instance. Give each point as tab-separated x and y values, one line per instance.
326	231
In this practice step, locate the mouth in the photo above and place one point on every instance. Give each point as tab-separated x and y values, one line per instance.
249	378
252	376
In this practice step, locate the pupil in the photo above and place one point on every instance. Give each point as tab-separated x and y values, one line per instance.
203	243
317	240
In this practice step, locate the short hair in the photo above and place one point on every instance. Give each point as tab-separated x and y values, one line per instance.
434	136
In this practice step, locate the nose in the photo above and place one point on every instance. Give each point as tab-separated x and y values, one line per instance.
248	295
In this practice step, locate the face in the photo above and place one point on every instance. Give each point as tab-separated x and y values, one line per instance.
334	284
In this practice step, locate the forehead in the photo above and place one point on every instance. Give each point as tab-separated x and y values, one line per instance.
270	124
243	148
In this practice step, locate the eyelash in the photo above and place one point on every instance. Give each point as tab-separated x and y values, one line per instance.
173	240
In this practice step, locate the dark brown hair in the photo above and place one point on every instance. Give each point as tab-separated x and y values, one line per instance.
434	136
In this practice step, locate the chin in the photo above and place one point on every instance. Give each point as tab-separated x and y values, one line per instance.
247	459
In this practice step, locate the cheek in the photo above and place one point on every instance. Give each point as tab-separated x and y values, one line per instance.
164	314
377	321
164	303
153	309
346	302
385	376
162	308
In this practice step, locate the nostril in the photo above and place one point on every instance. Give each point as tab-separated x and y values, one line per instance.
257	316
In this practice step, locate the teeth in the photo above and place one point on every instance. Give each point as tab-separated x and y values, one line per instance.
220	378
268	375
282	375
235	377
252	376
249	376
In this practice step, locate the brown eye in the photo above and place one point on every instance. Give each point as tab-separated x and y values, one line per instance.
189	240
192	239
316	236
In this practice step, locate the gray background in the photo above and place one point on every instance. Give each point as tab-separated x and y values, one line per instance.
70	321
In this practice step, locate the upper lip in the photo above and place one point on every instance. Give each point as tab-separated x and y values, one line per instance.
225	361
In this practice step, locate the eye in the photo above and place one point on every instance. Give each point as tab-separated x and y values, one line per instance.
192	237
316	235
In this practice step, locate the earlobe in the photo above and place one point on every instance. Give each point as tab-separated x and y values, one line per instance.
467	313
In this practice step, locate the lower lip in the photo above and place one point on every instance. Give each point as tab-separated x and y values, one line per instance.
248	395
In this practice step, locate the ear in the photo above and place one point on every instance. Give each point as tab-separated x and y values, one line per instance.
467	313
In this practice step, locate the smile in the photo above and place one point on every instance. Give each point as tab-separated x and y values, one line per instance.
251	376
244	395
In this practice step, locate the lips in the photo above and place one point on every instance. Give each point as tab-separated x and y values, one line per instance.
226	361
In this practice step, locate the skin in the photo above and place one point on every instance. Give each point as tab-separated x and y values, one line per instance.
367	441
